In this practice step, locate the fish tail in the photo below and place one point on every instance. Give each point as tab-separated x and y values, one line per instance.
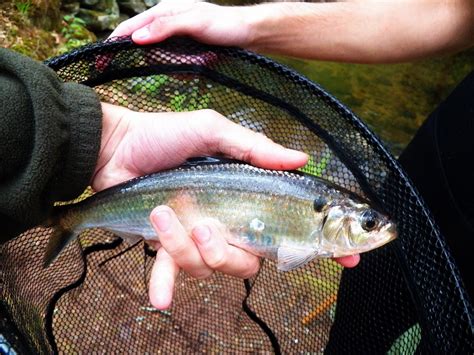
60	237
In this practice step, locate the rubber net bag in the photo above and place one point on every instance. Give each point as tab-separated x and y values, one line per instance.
405	297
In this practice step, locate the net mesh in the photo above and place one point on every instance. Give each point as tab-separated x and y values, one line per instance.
405	297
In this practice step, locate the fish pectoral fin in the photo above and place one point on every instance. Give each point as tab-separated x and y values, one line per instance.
290	257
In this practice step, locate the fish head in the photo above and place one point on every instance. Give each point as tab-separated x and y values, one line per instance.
368	229
350	227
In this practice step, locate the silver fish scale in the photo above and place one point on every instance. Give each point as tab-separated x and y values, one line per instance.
238	195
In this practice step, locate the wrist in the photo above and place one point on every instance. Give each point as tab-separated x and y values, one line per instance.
274	27
114	128
260	22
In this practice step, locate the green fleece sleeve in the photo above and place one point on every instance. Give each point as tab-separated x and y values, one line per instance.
49	141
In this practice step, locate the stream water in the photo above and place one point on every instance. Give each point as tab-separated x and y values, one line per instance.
394	99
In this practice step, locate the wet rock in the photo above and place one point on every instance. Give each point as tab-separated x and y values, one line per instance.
132	7
108	6
70	7
151	3
100	20
90	3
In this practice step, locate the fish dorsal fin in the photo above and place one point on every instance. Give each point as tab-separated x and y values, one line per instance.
291	257
129	237
59	239
210	161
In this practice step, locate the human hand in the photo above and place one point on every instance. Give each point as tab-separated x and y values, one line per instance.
206	250
135	144
199	253
346	31
205	22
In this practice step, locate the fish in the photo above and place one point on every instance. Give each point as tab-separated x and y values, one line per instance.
290	217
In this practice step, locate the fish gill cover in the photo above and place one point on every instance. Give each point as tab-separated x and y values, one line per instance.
403	297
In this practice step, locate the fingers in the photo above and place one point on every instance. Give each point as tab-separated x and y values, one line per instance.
232	260
179	246
205	22
188	17
127	27
163	27
210	239
348	261
208	250
163	276
155	14
145	138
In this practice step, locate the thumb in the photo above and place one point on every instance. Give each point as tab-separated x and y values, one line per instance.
244	144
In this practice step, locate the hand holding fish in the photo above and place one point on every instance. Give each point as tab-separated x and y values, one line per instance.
199	256
206	251
135	144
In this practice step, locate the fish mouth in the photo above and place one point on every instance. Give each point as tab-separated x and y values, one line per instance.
391	229
390	233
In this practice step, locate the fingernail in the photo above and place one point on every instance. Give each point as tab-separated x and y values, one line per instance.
142	33
162	220
160	300
297	154
163	301
202	234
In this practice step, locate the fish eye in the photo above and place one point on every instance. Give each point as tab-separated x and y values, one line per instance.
319	203
369	220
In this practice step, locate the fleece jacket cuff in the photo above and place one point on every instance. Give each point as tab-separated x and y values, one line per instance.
85	122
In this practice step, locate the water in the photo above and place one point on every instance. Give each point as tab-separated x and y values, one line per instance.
393	99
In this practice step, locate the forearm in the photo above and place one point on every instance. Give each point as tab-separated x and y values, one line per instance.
366	32
50	135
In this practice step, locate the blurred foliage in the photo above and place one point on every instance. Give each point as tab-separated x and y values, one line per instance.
151	86
23	6
19	34
317	168
24	28
75	34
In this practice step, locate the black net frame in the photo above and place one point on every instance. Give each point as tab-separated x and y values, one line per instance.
404	297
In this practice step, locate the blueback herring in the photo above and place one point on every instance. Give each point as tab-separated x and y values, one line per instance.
290	217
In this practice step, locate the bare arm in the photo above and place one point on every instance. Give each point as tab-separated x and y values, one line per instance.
367	32
364	32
